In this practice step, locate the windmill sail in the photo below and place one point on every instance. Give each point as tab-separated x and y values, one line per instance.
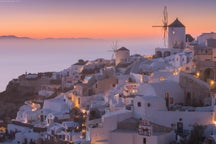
165	24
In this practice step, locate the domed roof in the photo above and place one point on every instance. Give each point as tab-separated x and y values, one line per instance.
176	23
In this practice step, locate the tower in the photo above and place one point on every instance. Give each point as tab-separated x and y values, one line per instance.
176	35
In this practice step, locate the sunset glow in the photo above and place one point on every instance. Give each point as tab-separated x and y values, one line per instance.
102	19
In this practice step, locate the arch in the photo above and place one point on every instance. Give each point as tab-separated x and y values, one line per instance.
210	140
158	54
167	53
208	74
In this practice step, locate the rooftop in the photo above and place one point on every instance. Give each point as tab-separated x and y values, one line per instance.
176	23
123	49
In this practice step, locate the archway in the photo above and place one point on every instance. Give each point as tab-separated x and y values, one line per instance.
208	74
167	53
158	54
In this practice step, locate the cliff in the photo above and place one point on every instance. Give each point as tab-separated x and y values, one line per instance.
19	90
12	98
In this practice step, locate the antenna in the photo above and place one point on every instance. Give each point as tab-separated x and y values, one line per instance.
165	24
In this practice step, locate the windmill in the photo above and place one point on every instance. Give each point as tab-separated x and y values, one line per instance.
114	49
165	24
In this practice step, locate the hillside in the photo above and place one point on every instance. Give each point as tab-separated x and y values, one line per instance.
11	99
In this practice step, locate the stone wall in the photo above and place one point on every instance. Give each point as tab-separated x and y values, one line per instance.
196	91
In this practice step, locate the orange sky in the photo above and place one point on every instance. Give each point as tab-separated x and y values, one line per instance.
102	19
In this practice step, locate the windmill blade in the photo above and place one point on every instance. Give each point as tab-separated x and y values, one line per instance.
112	56
165	17
115	45
165	24
157	26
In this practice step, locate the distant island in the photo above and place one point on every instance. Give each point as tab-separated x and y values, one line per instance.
4	37
13	37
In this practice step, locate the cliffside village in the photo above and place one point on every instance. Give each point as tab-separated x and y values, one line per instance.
166	98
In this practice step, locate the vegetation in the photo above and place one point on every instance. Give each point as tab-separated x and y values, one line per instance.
196	136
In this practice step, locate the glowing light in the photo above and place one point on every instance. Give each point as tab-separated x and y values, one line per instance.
148	56
198	74
212	82
180	69
133	91
34	106
175	72
83	131
2	129
83	111
173	32
162	79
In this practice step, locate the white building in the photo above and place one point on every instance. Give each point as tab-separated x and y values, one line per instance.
69	128
60	104
121	127
28	113
169	90
202	39
153	109
180	59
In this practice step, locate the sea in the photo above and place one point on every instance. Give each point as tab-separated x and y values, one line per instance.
18	56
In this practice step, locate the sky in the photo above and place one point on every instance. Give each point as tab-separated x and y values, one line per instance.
98	19
102	18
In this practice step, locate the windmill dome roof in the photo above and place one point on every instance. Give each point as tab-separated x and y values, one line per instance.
176	23
123	49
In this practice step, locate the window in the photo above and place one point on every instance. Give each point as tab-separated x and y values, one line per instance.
144	140
187	68
171	100
148	104
96	86
78	100
166	95
139	104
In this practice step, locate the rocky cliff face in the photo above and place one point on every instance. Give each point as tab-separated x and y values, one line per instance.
12	98
20	90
